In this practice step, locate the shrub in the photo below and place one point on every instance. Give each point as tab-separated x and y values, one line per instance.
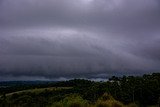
71	101
132	105
106	97
102	104
109	103
75	104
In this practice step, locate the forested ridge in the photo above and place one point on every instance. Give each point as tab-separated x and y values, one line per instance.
139	91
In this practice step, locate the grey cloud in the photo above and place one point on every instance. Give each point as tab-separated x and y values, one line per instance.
148	49
82	38
106	14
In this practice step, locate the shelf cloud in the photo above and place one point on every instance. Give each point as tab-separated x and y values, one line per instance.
50	39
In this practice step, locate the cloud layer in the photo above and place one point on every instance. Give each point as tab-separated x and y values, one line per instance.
78	38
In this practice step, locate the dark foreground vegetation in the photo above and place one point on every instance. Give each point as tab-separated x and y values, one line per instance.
126	91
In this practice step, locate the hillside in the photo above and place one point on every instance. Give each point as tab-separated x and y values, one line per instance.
126	91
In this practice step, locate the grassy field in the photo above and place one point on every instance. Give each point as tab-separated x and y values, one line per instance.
38	90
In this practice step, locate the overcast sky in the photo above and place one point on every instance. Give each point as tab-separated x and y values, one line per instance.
58	39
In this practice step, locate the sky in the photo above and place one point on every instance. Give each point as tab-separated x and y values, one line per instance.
61	39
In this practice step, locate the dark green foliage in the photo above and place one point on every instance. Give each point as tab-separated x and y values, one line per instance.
102	105
144	91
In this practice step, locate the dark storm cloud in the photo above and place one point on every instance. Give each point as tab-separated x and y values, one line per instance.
78	38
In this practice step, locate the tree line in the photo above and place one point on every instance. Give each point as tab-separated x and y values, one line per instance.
140	90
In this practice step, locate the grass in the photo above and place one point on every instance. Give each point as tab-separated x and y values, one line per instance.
38	90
